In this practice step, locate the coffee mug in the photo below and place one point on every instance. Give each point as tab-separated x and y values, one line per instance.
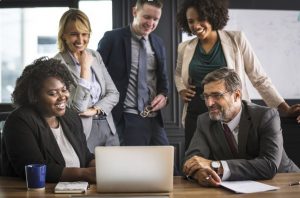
35	176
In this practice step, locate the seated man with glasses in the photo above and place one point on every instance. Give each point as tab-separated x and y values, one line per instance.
235	139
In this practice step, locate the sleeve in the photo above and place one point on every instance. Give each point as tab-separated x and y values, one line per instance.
163	81
257	75
111	97
266	163
199	144
24	146
80	93
178	75
104	47
80	97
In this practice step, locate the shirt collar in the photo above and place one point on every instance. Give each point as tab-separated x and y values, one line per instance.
134	35
232	124
73	58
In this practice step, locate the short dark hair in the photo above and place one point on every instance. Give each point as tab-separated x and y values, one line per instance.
231	78
29	84
214	11
156	3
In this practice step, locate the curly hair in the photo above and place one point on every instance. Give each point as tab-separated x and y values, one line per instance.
29	84
214	11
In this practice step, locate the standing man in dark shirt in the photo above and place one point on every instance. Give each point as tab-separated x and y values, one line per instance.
136	61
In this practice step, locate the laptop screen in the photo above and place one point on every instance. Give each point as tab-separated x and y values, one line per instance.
134	168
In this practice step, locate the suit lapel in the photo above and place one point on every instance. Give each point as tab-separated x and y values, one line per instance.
228	49
98	74
127	44
70	63
244	128
220	138
188	54
51	146
68	133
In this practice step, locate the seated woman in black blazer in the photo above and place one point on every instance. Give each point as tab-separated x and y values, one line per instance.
42	129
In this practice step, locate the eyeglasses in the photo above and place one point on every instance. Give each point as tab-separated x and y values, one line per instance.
146	112
214	96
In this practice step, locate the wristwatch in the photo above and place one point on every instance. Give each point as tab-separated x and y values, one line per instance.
216	165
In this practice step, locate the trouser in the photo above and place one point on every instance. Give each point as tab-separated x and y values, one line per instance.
101	135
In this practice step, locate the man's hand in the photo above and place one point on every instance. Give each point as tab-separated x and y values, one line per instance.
207	177
192	165
158	102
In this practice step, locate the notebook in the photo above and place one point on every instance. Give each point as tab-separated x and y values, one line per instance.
134	168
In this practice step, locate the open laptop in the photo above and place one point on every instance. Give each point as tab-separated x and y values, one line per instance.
134	168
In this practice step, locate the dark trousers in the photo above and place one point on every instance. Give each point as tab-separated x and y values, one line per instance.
195	107
135	130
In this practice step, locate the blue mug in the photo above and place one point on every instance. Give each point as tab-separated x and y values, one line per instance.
35	176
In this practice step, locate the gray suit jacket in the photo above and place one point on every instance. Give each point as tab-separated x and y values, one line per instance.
260	144
80	99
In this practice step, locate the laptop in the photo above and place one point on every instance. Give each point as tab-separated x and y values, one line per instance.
134	168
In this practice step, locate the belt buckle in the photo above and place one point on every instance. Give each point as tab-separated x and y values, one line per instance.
146	112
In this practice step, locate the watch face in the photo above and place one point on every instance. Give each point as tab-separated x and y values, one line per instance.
215	164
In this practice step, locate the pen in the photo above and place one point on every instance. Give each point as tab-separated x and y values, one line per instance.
295	183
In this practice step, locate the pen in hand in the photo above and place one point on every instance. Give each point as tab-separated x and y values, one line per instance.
295	183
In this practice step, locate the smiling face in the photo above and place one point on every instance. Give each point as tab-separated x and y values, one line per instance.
145	19
76	37
226	106
201	28
53	98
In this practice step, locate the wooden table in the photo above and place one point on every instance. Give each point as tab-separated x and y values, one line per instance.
15	187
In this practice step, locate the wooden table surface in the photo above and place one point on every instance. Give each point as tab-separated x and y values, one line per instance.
15	187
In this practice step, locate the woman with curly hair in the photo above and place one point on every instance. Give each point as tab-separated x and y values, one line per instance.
43	130
211	49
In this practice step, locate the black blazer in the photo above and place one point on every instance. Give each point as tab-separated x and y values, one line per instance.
115	50
28	139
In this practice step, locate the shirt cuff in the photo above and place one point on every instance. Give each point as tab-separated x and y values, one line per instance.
226	171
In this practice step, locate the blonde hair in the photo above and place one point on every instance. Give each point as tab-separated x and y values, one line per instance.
81	21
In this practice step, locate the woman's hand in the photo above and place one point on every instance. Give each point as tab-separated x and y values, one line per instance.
85	60
188	94
89	112
79	174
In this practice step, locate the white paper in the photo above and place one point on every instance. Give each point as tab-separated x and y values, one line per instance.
247	186
71	187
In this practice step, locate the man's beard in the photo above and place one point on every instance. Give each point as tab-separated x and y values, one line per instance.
222	115
216	116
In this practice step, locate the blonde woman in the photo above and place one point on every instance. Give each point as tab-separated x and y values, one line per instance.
95	94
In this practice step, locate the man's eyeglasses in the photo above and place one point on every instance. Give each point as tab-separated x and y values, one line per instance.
214	96
147	111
